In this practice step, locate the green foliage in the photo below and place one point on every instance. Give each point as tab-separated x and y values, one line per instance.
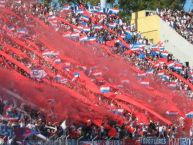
137	5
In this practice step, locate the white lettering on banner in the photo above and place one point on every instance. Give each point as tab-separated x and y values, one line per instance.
106	142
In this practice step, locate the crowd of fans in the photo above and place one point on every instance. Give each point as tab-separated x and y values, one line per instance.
179	20
20	123
108	30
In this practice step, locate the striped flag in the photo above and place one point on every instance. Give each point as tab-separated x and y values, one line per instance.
66	7
91	38
160	73
141	74
113	11
170	64
22	31
85	29
79	11
164	54
165	77
105	89
76	76
144	83
84	18
38	74
2	3
172	84
150	71
189	115
97	27
171	113
112	25
177	66
74	35
50	54
83	38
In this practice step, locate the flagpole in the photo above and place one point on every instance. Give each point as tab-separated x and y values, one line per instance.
103	3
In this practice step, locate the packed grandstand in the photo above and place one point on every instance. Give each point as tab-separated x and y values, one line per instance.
82	75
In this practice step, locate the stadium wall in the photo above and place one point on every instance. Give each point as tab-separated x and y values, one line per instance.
175	43
148	26
155	29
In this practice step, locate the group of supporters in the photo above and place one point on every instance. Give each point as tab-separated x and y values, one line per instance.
179	20
24	123
124	40
20	124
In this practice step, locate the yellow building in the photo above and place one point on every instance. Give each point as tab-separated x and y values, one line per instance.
148	26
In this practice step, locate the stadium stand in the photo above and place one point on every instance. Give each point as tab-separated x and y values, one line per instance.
180	21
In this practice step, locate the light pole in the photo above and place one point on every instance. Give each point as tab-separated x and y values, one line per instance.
103	3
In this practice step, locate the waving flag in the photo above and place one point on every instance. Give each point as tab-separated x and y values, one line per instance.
97	74
112	25
97	27
75	35
113	11
2	3
79	11
76	76
38	74
50	54
172	84
105	89
177	66
123	35
164	54
118	111
141	74
150	71
66	7
172	113
91	38
160	73
189	115
22	31
86	29
170	64
165	77
84	18
83	38
144	83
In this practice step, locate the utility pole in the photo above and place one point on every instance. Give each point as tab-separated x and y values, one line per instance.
103	3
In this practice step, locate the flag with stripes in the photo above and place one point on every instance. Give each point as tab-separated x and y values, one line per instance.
2	3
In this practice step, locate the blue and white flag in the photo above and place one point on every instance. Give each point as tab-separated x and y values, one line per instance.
22	31
66	7
91	38
84	18
189	115
84	38
86	29
164	54
112	25
105	89
76	74
113	11
38	74
97	27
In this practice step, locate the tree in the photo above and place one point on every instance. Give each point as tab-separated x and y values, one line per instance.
137	5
